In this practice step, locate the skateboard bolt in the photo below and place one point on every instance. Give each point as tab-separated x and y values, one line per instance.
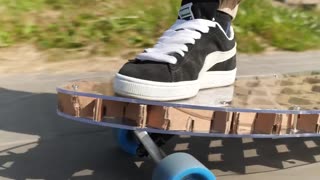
225	103
75	87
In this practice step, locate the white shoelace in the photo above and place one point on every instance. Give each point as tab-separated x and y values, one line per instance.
175	39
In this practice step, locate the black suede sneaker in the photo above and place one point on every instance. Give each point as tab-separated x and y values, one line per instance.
195	53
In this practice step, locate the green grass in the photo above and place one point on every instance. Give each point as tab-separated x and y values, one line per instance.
108	26
259	25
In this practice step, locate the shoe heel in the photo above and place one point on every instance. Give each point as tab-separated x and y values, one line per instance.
217	78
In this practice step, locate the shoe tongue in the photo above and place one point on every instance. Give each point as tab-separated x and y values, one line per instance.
198	10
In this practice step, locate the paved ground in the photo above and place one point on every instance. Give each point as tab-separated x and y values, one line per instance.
37	144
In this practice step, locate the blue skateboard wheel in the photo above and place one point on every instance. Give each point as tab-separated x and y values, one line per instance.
181	166
127	141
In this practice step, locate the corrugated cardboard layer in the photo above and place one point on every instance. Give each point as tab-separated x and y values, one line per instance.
183	119
76	106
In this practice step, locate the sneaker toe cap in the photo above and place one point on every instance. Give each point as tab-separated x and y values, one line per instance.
147	70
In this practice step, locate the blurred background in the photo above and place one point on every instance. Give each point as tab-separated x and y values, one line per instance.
74	29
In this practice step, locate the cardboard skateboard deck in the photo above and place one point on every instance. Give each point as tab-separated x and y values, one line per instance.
270	106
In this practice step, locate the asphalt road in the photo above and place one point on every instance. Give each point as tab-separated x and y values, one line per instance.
35	143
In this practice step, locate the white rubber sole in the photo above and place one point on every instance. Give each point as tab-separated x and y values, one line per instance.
150	90
162	91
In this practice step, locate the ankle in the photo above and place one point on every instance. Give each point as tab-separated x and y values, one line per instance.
205	9
224	20
201	9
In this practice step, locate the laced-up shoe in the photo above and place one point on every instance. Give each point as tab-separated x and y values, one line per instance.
195	53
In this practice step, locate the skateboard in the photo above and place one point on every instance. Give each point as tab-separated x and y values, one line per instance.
275	106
